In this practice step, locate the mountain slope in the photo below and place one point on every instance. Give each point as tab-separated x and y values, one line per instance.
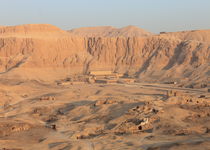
50	53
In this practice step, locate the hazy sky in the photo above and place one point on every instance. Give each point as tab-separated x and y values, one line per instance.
152	15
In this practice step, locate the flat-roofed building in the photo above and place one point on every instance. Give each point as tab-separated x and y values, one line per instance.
101	73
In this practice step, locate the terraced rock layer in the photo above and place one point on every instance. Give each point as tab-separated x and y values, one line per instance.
48	53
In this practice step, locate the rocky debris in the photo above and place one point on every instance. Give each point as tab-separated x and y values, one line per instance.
170	82
47	98
202	96
145	110
91	79
24	95
204	85
9	127
174	93
200	111
133	125
189	100
51	126
140	119
106	101
150	118
193	120
7	106
41	111
52	118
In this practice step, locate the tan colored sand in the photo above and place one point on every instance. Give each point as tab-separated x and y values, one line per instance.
99	116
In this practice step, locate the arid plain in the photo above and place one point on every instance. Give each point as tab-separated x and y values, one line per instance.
103	88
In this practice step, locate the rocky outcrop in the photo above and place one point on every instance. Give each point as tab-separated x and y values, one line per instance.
194	35
31	30
48	53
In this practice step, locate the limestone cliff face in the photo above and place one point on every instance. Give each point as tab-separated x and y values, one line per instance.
48	53
31	30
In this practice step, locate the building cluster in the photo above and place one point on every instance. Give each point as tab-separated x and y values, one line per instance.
103	77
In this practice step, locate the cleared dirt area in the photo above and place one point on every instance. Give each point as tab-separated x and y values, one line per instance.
103	116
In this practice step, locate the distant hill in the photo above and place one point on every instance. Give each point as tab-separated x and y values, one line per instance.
108	31
196	35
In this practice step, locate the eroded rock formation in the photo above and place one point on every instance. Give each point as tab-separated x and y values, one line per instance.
48	53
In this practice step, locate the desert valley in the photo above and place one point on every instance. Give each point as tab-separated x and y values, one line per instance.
103	88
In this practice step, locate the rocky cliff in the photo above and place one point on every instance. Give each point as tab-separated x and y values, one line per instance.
46	52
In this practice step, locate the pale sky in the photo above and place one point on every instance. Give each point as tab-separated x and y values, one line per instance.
152	15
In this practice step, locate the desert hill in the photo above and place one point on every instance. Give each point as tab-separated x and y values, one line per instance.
46	52
108	31
196	35
31	30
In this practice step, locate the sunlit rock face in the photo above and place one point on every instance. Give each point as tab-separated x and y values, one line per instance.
49	53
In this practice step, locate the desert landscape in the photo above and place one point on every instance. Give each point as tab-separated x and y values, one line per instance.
103	88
